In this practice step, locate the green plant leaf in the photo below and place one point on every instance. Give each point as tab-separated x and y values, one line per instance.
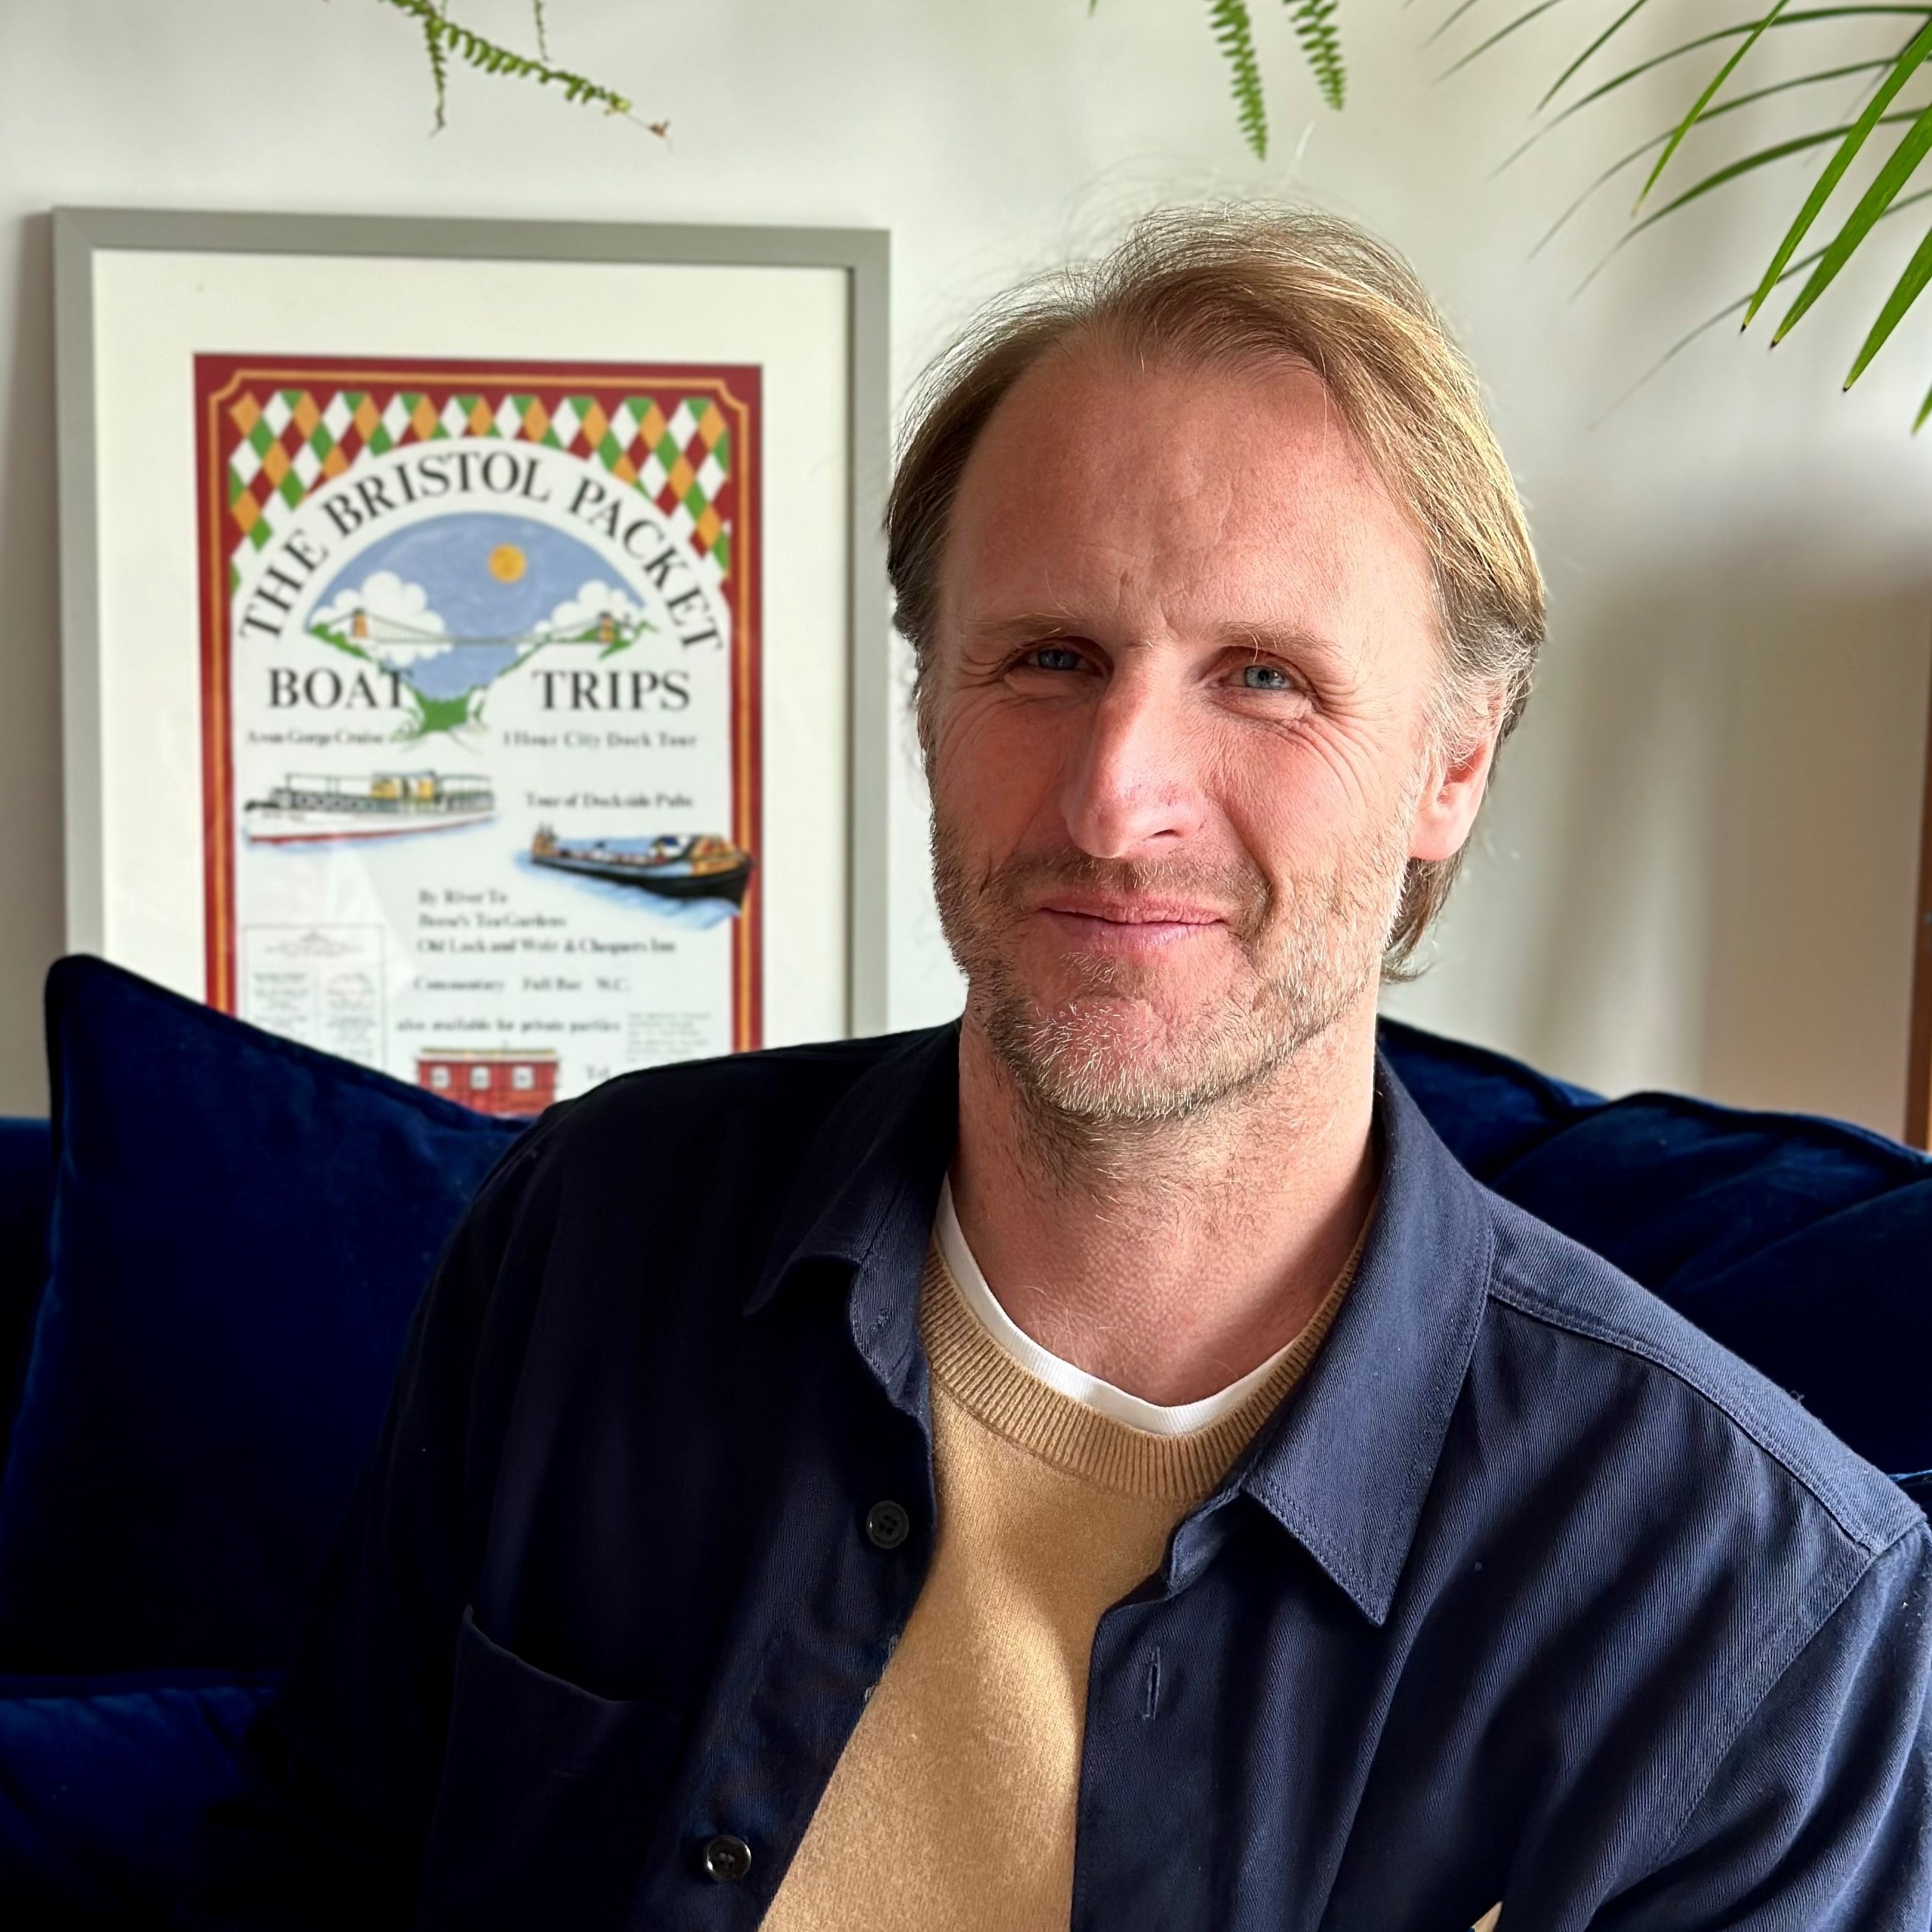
1718	178
1704	100
1501	33
443	37
1589	53
1730	309
1909	61
1716	38
1321	46
1925	410
1732	105
1905	291
1736	101
1455	14
1235	32
439	71
1880	102
1913	146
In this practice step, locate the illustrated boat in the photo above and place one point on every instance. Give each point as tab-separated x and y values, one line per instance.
698	865
307	807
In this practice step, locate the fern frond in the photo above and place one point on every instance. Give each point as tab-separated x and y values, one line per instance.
543	35
444	36
1235	32
1320	41
439	73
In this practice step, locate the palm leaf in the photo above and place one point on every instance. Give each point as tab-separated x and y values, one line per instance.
1730	309
1321	46
1779	151
1591	51
1728	47
1743	28
1442	26
1723	33
1704	100
1913	146
1732	105
1501	33
1716	38
1909	60
1909	287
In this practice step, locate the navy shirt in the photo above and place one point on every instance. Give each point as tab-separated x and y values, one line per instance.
1528	1591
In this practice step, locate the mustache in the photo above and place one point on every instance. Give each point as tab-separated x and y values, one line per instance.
1237	889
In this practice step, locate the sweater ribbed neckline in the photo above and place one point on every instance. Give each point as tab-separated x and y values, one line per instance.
986	1381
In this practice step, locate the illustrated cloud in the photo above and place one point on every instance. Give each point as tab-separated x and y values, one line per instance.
594	600
402	629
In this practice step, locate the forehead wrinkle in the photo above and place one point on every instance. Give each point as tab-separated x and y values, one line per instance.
1104	546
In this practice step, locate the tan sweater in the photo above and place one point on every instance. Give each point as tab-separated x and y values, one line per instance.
952	1808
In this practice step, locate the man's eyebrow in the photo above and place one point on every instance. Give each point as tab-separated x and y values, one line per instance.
1265	640
1020	627
1277	640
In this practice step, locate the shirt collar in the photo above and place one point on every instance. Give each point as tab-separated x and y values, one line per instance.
1347	1464
864	1200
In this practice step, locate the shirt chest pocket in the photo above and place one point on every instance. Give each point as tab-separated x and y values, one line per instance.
548	1795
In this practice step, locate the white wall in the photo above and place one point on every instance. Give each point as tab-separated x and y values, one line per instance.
1697	870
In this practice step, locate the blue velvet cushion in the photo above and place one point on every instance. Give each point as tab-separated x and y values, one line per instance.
240	1229
102	1783
1803	1245
243	1225
26	1195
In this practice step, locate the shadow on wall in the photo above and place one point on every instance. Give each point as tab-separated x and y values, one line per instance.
30	860
1732	763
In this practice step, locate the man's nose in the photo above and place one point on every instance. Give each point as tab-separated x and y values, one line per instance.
1131	782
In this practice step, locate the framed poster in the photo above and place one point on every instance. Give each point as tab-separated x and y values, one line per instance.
475	648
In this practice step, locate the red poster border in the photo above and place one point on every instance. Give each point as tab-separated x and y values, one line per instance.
738	390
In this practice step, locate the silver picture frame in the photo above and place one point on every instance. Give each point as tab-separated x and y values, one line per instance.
83	237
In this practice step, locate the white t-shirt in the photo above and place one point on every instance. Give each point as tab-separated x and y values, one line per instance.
1151	1418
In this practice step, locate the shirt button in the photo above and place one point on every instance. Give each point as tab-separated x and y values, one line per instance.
887	1525
726	1859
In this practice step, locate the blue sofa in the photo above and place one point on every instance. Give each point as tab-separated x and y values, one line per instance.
209	1254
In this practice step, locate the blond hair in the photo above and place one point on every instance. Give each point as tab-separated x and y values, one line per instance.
1255	283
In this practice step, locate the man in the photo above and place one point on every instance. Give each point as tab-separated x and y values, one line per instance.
1103	1464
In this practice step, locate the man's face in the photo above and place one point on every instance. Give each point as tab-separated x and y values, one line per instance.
1178	726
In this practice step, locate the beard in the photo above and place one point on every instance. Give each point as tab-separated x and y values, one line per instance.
1119	1042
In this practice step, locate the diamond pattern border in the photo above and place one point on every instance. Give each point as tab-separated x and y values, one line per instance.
287	443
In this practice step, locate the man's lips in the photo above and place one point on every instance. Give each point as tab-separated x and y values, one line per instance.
1125	923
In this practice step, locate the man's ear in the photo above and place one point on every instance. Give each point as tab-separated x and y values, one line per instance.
1458	774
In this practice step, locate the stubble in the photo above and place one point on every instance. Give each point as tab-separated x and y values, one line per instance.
1106	1053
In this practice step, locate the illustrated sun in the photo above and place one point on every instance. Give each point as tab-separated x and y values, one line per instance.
507	563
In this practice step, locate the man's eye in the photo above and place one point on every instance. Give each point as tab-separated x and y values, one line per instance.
1052	657
1265	677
